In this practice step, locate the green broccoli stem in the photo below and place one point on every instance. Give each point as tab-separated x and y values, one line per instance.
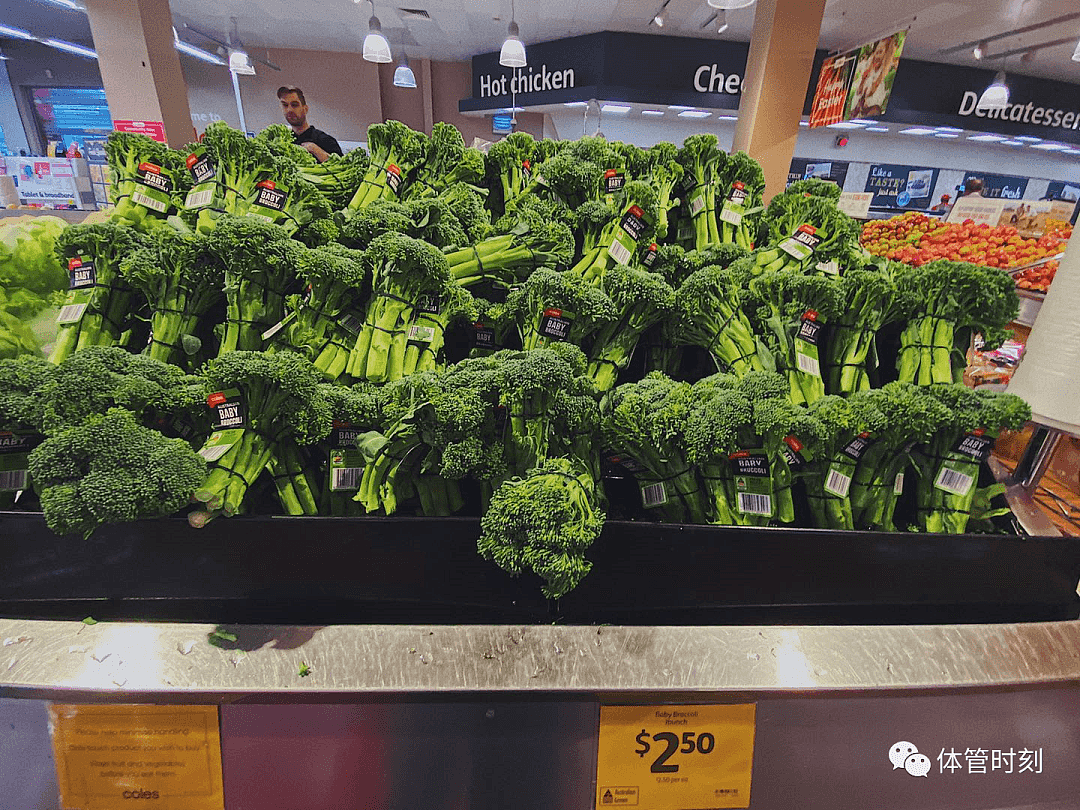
291	480
375	185
424	355
439	497
910	355
374	356
714	477
227	483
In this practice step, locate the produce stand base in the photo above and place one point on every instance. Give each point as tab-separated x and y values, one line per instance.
418	570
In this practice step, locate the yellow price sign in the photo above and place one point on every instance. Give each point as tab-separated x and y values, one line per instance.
675	757
106	756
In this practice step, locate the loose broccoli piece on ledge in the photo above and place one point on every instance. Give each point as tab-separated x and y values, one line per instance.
111	469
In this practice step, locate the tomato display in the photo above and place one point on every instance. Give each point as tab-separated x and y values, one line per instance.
916	239
1037	279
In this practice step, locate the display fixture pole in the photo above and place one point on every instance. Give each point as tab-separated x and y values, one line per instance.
1036	458
140	68
239	101
778	70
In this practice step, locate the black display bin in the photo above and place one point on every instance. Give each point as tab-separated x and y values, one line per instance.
280	570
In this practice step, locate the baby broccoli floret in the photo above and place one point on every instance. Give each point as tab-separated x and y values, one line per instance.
544	523
111	469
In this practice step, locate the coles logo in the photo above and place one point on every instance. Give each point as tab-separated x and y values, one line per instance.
141	794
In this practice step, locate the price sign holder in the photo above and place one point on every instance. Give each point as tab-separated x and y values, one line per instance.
166	757
675	757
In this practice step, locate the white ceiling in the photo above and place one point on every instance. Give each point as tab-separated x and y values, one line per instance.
458	29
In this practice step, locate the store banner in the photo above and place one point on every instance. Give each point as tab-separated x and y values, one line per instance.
873	76
830	97
1061	190
931	94
614	66
1032	219
999	185
897	186
823	169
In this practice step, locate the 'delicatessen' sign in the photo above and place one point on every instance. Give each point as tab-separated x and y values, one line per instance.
931	94
614	66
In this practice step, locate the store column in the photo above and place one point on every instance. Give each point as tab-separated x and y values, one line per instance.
139	65
777	75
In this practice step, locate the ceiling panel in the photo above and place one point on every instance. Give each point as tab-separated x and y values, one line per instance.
460	28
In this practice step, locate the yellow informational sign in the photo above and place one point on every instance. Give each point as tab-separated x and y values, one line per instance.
675	757
108	756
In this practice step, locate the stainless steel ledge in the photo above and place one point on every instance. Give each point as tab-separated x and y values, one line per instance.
131	661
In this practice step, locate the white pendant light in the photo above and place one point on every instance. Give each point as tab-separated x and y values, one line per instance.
240	63
376	48
722	24
403	76
512	54
728	5
996	96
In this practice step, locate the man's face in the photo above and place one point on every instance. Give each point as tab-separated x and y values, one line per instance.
295	111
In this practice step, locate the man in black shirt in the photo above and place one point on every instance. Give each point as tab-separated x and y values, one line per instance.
314	140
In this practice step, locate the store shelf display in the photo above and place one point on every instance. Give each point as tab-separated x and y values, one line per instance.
916	239
433	331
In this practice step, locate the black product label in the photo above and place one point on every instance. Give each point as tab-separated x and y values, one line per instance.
175	428
753	464
428	304
649	259
613	181
688	181
857	446
554	325
737	195
627	463
228	410
344	436
152	176
81	273
351	322
501	418
633	222
393	178
18	442
975	445
483	337
809	328
807	235
792	451
270	197
200	167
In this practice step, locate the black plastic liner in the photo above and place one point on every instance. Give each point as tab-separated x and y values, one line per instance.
418	570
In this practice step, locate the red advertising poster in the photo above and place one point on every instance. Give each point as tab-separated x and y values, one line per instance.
153	129
832	90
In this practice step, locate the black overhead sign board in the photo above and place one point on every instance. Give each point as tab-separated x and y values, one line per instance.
936	95
642	68
614	66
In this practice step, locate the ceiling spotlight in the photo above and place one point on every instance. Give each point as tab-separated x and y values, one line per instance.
512	54
403	76
730	4
1076	53
658	20
996	96
722	24
376	47
979	51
